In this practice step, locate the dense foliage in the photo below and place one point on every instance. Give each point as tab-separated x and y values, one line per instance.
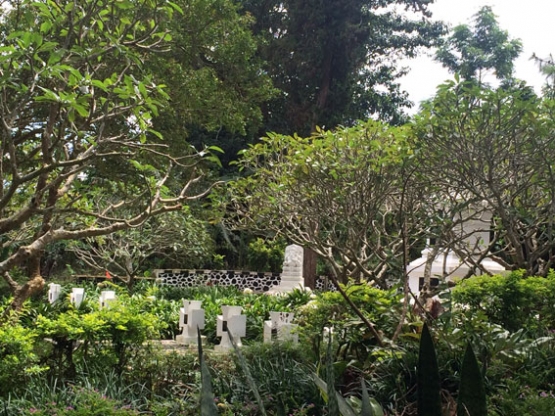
97	101
337	62
96	360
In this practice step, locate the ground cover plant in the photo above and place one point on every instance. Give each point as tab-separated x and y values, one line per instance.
86	360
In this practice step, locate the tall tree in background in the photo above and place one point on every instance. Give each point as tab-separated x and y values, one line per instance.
215	81
335	61
482	46
80	100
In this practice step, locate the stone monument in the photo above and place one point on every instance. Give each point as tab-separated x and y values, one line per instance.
232	321
54	292
76	296
292	274
443	264
106	297
191	317
280	328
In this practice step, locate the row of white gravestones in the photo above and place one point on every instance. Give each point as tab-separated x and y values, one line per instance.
78	294
191	317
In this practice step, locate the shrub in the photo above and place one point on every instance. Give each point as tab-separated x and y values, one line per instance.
78	401
281	372
117	330
17	358
329	309
512	301
516	399
265	256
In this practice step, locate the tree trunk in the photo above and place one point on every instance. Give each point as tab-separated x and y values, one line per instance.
309	267
34	285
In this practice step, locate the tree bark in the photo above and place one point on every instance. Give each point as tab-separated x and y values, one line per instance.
310	259
33	286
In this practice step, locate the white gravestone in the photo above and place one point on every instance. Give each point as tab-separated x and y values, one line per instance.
232	321
280	327
76	296
106	297
327	333
191	317
292	274
54	292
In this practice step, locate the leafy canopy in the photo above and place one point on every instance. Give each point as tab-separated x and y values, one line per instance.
470	50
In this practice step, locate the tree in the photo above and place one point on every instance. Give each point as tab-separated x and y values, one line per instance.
175	239
547	68
497	146
471	50
347	194
334	62
215	81
79	157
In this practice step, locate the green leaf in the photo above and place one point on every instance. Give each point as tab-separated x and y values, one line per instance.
207	402
367	409
215	149
82	110
429	400
472	393
344	407
99	84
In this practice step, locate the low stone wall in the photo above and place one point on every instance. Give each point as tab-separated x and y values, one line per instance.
258	282
324	284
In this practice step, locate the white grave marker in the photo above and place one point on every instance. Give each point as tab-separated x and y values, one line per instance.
106	296
76	296
232	321
191	317
54	292
279	327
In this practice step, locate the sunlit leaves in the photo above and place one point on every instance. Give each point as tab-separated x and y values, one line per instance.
79	151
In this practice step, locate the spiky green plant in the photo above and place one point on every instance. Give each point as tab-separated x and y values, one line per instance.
337	405
246	370
366	406
333	406
207	402
472	394
429	385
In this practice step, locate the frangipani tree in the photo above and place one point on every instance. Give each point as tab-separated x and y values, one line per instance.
175	239
497	146
78	156
347	194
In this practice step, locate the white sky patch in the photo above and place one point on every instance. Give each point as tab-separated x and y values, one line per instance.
531	21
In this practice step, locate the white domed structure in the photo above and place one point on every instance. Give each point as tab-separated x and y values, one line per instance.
473	233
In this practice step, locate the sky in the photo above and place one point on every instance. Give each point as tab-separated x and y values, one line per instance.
531	21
